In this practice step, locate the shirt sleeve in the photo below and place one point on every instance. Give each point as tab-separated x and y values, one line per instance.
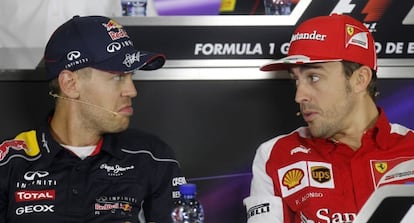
166	178
263	206
3	194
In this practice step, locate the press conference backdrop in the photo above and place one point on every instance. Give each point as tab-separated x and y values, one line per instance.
214	106
214	126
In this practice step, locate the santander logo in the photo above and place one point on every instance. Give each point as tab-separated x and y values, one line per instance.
308	36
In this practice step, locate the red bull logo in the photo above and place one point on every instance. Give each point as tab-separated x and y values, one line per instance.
111	24
119	32
126	207
11	144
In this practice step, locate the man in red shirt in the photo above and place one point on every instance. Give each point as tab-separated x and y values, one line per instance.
326	171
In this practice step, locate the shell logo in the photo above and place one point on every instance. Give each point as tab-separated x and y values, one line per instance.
292	178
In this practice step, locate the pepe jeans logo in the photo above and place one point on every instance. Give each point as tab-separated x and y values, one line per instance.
115	170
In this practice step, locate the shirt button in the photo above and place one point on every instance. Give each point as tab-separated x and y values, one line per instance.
75	191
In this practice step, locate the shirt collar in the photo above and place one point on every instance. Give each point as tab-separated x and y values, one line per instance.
49	145
379	132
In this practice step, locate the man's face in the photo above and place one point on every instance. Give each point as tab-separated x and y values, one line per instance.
325	97
110	93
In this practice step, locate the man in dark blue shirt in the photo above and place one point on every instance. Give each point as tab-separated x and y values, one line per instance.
84	164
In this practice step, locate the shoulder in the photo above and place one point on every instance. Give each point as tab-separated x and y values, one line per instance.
135	136
138	142
283	141
400	129
23	147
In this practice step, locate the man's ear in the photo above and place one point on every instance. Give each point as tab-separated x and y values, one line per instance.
361	78
68	82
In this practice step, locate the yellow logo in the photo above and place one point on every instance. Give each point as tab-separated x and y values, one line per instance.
30	140
350	30
321	174
293	178
227	5
381	167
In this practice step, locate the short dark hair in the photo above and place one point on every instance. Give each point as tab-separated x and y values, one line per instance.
54	86
350	67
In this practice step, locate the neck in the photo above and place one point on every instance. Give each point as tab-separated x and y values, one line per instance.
68	129
361	120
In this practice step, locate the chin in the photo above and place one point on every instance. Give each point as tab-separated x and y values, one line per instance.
119	128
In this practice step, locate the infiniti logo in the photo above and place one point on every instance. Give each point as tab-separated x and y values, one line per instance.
31	175
73	55
112	47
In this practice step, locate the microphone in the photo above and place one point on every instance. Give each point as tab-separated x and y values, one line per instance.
83	102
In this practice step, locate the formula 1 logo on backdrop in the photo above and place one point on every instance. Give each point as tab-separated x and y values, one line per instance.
373	11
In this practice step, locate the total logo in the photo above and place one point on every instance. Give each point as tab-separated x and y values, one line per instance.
32	195
38	208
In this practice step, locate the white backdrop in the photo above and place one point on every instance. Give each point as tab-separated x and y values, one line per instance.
26	25
30	23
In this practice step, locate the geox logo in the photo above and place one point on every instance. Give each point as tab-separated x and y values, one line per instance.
321	174
258	209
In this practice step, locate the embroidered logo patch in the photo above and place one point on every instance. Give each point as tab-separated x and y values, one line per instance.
302	174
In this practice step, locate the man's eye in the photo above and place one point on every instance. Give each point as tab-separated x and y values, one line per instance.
118	77
314	78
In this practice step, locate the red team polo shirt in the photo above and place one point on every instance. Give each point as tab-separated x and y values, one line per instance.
297	178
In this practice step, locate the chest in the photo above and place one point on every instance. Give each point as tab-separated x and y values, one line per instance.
332	186
102	188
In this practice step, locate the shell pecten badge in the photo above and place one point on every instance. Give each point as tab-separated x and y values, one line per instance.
293	178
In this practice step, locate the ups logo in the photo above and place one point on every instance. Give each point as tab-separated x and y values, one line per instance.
321	174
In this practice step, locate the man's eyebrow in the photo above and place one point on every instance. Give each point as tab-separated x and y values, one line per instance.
303	67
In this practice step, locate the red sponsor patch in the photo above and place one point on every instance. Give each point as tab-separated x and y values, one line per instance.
13	144
392	170
34	195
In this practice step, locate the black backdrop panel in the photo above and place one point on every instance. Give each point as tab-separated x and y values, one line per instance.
214	126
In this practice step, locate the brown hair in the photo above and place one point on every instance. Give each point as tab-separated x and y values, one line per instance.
350	67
